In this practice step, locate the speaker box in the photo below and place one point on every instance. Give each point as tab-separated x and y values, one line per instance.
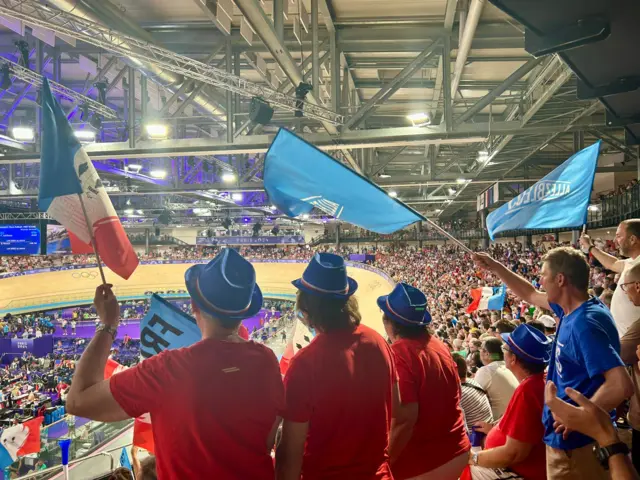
157	232
260	111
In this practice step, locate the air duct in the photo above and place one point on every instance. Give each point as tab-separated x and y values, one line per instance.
105	13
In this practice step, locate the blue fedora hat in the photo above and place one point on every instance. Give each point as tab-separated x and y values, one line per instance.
406	305
529	344
225	287
326	275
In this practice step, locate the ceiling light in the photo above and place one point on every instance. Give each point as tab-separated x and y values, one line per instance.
593	208
460	181
236	197
157	131
85	136
129	211
305	216
393	193
437	210
134	166
140	212
452	191
273	208
384	175
158	173
420	119
228	177
23	134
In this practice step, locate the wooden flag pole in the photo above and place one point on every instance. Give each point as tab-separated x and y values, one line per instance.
93	241
448	235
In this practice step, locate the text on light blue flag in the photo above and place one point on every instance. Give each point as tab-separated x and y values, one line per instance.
559	200
166	327
299	177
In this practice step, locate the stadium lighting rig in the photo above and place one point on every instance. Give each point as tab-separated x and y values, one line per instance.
32	12
29	76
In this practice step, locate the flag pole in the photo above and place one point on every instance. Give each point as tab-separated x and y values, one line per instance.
93	240
449	236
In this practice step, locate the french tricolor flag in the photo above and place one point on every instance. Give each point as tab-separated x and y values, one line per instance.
487	298
67	172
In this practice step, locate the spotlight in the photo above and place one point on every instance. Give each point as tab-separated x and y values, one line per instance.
96	121
23	134
461	181
158	173
420	119
101	87
305	216
85	136
228	177
23	47
6	82
236	197
393	194
134	166
593	208
301	92
157	131
128	211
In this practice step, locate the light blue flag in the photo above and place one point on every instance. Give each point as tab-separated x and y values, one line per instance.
166	327
299	177
559	200
124	459
496	301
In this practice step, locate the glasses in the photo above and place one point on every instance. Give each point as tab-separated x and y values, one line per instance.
623	286
505	349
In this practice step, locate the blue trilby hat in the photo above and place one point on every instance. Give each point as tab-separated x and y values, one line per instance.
326	275
529	344
406	305
225	287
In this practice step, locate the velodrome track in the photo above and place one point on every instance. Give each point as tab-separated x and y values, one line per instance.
72	287
69	287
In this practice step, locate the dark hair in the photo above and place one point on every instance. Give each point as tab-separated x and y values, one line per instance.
148	469
406	331
327	313
531	367
537	325
505	326
461	363
571	263
494	347
121	473
476	360
598	290
633	227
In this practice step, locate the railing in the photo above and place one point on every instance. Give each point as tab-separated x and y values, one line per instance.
611	210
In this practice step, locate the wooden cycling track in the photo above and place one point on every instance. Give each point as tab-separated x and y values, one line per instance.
68	287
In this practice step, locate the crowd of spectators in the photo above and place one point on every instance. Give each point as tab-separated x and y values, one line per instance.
621	189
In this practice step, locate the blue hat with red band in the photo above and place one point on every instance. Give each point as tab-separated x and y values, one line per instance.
225	287
406	305
326	275
529	344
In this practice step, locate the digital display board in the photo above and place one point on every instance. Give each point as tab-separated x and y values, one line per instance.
19	239
57	240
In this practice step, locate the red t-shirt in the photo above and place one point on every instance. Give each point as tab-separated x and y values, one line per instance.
522	421
341	383
427	375
212	407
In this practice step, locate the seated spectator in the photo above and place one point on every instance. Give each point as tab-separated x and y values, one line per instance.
321	436
423	422
474	401
549	325
516	442
494	377
236	407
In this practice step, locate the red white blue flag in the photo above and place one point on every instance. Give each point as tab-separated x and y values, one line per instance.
66	172
19	440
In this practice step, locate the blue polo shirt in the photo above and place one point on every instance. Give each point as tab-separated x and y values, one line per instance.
586	346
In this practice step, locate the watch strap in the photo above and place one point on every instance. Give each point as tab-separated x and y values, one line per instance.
604	453
107	328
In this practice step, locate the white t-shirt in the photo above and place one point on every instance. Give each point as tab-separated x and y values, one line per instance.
499	383
623	310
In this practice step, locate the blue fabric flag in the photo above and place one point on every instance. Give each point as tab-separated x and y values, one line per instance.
496	301
559	200
166	327
124	459
299	177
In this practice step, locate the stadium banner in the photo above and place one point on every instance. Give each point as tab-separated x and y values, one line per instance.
362	258
489	197
15	347
271	240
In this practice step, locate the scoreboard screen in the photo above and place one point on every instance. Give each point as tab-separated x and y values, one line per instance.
19	239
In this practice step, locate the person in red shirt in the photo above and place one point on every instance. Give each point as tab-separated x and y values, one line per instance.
515	444
215	406
428	435
243	332
340	389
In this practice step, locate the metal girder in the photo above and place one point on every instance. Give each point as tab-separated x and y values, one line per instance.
263	27
499	90
384	137
36	13
393	86
29	84
388	160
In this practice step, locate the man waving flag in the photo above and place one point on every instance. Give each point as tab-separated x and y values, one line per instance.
67	180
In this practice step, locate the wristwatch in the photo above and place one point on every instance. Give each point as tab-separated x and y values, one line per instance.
604	453
474	458
107	328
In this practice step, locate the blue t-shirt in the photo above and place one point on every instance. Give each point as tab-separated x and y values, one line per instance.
586	346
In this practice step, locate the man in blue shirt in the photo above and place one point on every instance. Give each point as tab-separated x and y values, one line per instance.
585	354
